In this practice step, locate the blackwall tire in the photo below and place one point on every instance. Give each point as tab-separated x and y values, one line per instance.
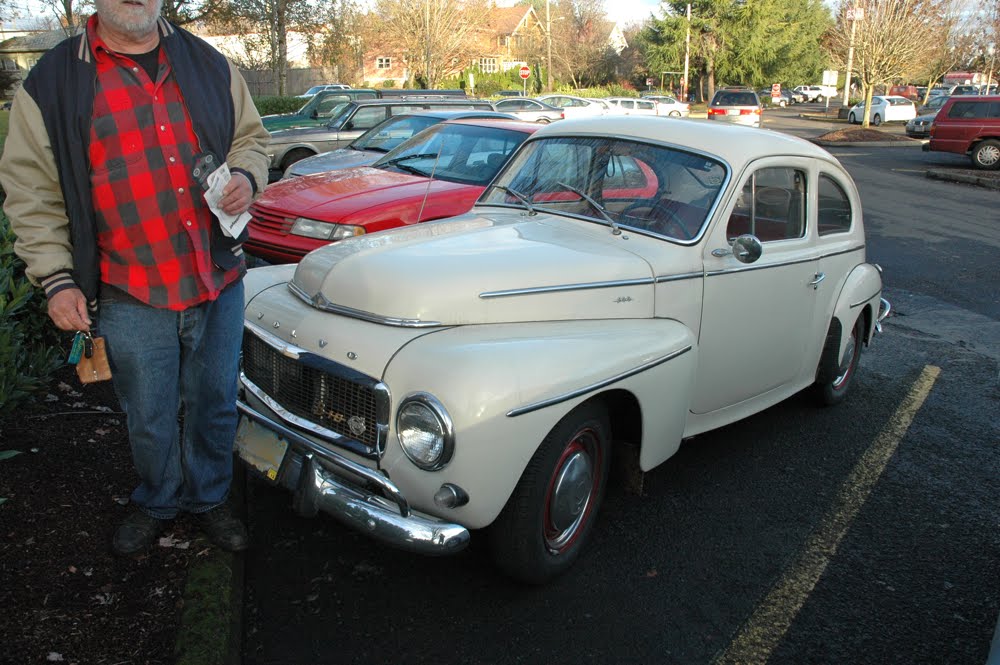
549	516
834	375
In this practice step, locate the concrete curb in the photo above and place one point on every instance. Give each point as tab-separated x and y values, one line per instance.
983	181
909	143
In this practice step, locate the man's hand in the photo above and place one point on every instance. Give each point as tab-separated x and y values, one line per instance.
237	195
68	310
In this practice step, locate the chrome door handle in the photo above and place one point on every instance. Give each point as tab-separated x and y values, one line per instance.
719	253
820	276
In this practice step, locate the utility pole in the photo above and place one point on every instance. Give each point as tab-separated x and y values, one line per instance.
548	46
427	46
687	56
854	15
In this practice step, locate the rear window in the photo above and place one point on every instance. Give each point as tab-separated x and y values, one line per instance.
735	99
974	110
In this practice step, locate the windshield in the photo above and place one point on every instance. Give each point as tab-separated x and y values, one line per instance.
650	188
469	154
392	132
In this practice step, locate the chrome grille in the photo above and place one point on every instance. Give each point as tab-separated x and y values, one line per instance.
316	390
270	220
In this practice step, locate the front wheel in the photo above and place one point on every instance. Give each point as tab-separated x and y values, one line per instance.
548	517
835	374
986	155
851	119
295	155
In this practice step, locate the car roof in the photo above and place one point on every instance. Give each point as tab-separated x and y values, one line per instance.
734	144
500	123
436	101
445	114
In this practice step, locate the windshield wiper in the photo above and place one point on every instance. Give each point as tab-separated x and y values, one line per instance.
398	162
597	206
520	197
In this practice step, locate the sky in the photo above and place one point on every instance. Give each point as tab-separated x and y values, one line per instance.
630	11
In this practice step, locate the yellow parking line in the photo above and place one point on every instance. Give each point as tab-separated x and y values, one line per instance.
761	633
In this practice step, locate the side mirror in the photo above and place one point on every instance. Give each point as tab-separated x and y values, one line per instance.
747	248
314	114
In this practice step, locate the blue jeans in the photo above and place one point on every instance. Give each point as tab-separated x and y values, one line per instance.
161	360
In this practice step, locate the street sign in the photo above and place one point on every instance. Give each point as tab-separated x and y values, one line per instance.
525	71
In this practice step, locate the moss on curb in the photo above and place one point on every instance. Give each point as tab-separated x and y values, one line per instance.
207	616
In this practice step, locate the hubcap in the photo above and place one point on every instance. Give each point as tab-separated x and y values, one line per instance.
569	495
989	155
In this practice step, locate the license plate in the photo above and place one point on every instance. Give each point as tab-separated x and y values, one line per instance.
260	447
732	112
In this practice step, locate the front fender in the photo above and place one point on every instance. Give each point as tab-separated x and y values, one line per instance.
506	386
862	290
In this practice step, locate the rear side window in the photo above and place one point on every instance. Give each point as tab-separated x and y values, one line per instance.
834	215
972	110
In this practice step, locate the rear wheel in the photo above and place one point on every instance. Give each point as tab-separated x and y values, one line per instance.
877	120
836	373
986	155
675	114
543	121
549	516
820	99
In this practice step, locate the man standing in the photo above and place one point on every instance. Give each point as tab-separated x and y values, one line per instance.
112	223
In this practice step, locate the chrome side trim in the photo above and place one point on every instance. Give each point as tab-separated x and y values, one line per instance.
725	271
383	514
528	408
866	300
320	302
531	290
662	279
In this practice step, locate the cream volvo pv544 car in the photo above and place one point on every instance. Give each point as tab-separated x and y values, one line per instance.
624	282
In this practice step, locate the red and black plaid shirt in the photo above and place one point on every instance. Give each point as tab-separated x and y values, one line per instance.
153	224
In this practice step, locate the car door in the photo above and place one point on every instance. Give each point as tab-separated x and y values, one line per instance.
757	316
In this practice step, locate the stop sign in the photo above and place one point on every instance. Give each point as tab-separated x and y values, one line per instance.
525	71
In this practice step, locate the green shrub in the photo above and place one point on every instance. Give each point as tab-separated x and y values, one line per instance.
273	105
30	346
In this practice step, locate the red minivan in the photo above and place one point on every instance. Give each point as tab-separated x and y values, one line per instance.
969	125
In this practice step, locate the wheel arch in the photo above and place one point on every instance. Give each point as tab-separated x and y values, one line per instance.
859	297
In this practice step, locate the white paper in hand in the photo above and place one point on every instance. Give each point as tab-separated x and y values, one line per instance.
232	225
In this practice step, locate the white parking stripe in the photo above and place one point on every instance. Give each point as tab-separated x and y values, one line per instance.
758	637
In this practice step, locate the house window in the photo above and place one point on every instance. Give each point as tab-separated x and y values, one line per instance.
383	63
488	65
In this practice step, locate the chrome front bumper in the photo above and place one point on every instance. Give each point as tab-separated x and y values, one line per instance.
883	311
371	504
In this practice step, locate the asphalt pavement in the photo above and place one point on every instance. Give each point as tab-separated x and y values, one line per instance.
396	627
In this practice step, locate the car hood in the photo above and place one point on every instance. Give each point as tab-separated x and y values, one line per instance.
342	158
480	268
339	196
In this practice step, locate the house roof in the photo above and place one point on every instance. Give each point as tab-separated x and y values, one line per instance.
506	20
37	43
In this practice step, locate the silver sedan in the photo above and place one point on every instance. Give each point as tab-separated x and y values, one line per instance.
531	110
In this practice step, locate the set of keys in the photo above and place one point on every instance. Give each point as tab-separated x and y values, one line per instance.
83	346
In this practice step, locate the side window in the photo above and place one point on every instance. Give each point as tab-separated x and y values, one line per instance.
968	110
367	117
834	214
771	206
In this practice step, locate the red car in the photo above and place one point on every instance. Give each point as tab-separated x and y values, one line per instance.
437	173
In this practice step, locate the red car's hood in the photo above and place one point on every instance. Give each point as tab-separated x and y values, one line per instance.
339	196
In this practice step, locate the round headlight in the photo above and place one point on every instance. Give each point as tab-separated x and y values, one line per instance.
424	431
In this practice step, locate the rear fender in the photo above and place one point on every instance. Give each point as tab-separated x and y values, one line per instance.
860	295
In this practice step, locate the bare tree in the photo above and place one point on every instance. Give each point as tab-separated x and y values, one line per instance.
580	31
69	14
887	41
436	37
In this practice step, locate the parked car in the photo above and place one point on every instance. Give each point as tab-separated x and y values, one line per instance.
670	106
622	285
318	110
741	107
326	86
437	173
933	104
908	91
380	139
785	97
969	125
575	107
965	90
531	110
630	106
920	127
885	108
349	121
817	93
5	106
